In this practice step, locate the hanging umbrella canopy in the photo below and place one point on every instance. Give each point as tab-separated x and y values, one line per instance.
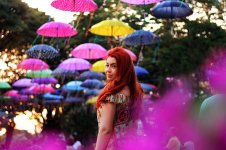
56	29
33	64
92	100
48	80
140	2
99	66
91	75
42	88
91	92
93	83
4	85
42	51
39	74
140	71
170	9
52	96
111	28
75	5
141	37
61	73
147	87
73	86
89	51
25	82
51	101
75	64
11	93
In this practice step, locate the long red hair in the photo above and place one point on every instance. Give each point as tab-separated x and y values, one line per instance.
125	75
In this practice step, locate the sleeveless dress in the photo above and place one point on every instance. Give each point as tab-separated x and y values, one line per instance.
122	121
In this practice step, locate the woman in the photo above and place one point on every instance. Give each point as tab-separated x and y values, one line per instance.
119	103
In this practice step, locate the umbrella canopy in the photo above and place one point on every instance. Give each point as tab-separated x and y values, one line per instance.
39	74
61	73
11	93
141	37
140	2
91	92
93	83
4	85
111	28
147	87
89	51
52	96
56	29
42	51
140	71
23	83
171	9
75	5
75	64
73	86
33	64
42	88
51	101
92	75
92	100
99	66
49	80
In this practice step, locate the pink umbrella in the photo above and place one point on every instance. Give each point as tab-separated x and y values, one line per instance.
89	51
23	83
42	88
131	54
11	93
141	2
75	5
33	64
75	64
56	29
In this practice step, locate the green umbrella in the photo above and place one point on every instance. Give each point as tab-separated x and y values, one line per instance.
4	85
39	74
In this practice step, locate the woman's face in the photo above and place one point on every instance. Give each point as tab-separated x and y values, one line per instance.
111	68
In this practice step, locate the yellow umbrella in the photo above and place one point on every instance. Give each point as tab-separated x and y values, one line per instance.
111	28
99	66
92	100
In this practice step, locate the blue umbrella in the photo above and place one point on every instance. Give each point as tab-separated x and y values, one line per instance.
141	37
51	101
42	51
93	83
171	9
73	86
92	75
147	87
52	96
91	92
140	71
61	73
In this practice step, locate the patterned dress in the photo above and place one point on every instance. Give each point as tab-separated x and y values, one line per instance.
122	121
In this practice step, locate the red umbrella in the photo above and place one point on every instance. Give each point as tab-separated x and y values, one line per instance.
89	51
33	64
56	29
75	5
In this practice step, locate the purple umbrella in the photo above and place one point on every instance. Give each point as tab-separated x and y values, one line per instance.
140	2
33	64
75	64
50	80
56	29
89	51
75	5
23	83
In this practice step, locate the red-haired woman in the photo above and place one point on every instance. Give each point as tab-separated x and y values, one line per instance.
119	103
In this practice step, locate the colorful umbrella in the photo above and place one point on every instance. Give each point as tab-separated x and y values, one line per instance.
42	51
75	5
52	96
141	37
111	28
33	64
51	101
48	80
91	75
92	100
147	87
11	93
39	74
56	29
140	71
42	88
4	85
99	66
171	9
89	51
140	2
61	73
73	86
91	92
93	83
23	83
75	64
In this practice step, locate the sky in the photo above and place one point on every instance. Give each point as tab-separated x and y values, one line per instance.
45	6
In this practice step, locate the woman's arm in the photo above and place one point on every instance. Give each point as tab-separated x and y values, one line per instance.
107	112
